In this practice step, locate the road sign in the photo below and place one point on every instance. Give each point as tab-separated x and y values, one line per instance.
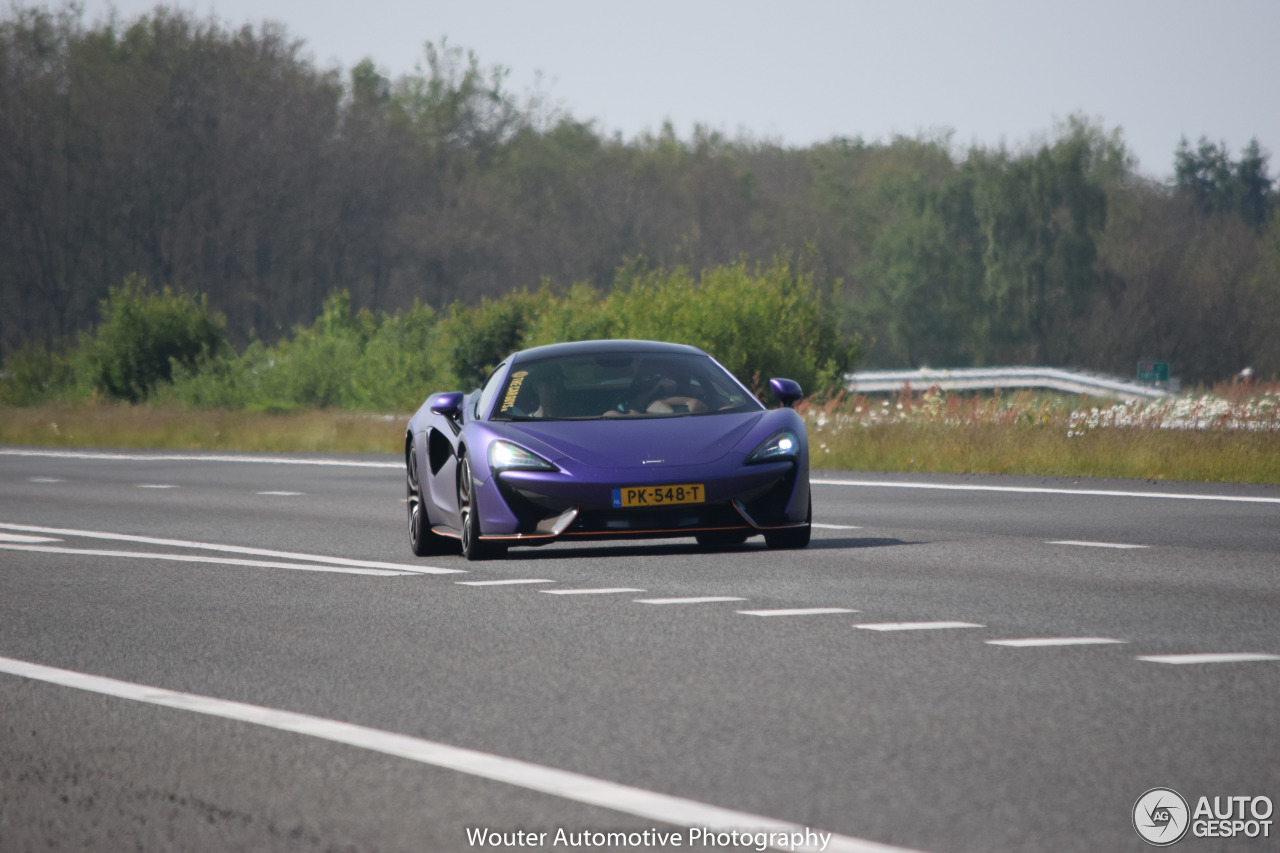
1153	371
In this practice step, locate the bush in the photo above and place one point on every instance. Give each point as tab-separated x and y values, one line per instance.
34	374
775	322
142	336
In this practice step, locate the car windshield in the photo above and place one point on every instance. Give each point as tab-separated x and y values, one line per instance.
620	385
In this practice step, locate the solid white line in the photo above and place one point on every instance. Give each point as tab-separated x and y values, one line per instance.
191	558
187	457
1223	657
232	549
1028	490
567	785
1118	545
28	540
1036	642
703	599
915	626
504	582
601	591
798	611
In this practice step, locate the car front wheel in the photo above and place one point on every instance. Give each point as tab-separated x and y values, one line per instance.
422	539
473	547
792	538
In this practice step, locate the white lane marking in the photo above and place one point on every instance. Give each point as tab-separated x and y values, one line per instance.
1083	544
1221	657
504	582
155	486
565	784
399	466
798	611
1027	490
28	540
834	526
1037	642
283	494
192	558
187	457
231	549
599	591
700	599
916	626
45	480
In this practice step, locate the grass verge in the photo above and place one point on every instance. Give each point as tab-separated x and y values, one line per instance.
1236	456
1045	446
151	428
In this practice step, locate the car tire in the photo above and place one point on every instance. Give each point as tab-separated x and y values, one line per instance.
722	539
423	541
792	538
473	547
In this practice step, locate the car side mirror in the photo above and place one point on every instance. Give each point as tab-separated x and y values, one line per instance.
786	391
448	404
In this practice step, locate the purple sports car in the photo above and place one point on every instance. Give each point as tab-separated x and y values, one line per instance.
604	440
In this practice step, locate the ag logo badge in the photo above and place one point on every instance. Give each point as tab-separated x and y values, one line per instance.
1161	816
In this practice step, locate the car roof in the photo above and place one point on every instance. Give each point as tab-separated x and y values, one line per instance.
589	347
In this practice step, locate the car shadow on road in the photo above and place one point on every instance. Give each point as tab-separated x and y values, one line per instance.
683	548
844	543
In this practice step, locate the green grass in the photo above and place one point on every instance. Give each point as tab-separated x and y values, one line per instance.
1141	453
152	428
1017	436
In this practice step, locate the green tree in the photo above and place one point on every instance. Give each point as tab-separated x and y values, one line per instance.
1216	185
1040	216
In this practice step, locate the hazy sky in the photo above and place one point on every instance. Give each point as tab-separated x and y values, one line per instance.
803	71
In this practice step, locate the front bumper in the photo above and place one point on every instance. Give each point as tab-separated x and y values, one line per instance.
541	506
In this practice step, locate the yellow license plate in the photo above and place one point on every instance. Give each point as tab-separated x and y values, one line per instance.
687	493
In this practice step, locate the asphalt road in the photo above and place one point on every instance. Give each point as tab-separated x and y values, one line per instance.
203	654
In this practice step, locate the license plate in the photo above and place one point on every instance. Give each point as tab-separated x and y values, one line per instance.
687	493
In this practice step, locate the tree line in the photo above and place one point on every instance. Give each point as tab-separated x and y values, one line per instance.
221	162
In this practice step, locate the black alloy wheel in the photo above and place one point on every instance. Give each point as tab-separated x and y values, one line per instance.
473	547
422	539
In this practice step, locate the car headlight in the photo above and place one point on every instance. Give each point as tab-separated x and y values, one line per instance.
505	456
781	445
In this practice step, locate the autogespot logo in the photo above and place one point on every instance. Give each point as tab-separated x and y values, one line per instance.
1160	816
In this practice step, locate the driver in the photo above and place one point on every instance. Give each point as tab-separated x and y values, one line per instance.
660	388
548	383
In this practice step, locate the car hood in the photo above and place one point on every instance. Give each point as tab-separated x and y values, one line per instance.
631	443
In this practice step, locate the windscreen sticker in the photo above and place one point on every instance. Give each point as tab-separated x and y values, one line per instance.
513	389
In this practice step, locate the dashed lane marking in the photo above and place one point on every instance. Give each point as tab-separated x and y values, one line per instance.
835	526
567	785
698	599
797	611
916	626
1083	544
230	549
45	480
598	591
283	494
1036	642
155	486
504	582
1218	657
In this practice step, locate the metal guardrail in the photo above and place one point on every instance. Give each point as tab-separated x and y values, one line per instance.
989	378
